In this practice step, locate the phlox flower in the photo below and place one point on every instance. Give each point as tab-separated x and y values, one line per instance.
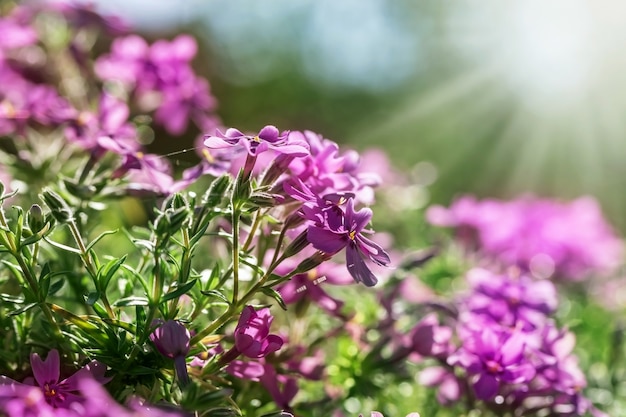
344	229
493	358
58	393
268	138
544	237
252	334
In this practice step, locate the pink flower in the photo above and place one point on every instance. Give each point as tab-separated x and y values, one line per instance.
252	338
59	394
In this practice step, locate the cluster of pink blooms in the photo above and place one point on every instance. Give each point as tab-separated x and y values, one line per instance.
317	186
502	347
548	238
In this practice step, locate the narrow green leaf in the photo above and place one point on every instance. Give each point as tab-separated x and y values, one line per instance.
108	270
183	289
271	292
22	309
217	294
131	301
100	236
62	246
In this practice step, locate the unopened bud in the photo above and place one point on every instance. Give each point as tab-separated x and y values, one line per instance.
36	220
216	191
261	199
296	245
311	262
58	207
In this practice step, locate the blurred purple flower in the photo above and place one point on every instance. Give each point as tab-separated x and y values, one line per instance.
510	299
494	357
310	285
16	32
545	237
58	394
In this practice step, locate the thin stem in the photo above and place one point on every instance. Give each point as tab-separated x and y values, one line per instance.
255	225
85	256
235	224
185	269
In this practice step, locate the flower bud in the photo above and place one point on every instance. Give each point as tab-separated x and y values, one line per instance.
215	193
296	245
58	207
36	220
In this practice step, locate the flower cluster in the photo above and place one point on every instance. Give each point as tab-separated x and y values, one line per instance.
503	348
536	235
150	310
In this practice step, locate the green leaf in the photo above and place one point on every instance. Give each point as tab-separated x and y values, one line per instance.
12	299
97	239
131	301
92	298
62	246
22	309
15	269
54	288
215	293
100	310
107	271
269	291
183	289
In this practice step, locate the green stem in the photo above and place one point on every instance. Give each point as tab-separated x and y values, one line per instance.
185	269
85	256
235	224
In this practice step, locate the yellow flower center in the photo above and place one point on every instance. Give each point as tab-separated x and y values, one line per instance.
352	234
256	139
48	391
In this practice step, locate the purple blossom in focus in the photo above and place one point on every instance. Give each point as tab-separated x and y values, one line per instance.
268	138
344	229
252	334
493	357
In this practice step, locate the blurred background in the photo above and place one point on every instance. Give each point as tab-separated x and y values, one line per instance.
493	98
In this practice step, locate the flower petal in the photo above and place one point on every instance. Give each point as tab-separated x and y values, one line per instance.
47	371
325	240
357	267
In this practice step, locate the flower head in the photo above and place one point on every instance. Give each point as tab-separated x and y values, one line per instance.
252	334
58	393
344	229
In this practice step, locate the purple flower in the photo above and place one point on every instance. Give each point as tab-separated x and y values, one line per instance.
187	99
325	170
15	32
252	334
494	357
510	299
310	285
268	138
109	130
172	341
544	237
151	174
345	230
58	394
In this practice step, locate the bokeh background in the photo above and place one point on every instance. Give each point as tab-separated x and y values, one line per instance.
493	98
